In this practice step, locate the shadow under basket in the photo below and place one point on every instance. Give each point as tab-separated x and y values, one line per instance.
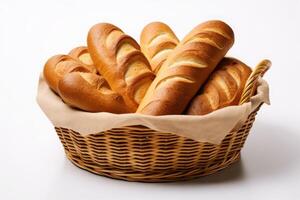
138	153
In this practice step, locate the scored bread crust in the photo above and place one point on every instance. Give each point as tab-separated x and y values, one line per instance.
157	41
82	55
58	66
119	60
187	68
79	86
224	87
90	92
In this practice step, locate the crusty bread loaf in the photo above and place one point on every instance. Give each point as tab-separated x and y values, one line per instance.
224	87
82	55
58	66
157	42
187	68
90	92
119	60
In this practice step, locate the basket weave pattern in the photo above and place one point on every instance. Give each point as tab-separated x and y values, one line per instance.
138	153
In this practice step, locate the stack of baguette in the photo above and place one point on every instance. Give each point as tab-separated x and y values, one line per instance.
160	76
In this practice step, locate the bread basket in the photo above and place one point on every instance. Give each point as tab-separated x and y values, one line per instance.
139	153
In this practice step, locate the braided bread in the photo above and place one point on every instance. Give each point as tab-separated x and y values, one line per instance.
119	60
187	68
157	42
224	87
58	66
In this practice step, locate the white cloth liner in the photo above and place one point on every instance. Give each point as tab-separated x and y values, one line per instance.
211	128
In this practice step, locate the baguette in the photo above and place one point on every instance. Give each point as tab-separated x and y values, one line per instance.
157	42
58	66
90	92
82	55
119	60
187	68
224	87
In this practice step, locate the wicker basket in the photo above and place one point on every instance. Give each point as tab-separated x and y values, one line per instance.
137	153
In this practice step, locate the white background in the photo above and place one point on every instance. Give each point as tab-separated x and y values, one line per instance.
32	161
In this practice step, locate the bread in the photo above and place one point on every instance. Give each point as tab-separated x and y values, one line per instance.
224	87
74	79
119	60
58	66
187	68
157	42
82	55
90	92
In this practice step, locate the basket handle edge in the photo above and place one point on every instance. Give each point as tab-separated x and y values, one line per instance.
251	84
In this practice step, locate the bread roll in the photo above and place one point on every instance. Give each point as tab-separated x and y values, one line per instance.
90	92
119	60
157	42
58	66
187	68
224	87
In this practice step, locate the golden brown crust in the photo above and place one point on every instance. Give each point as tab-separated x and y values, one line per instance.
187	68
119	60
90	92
157	42
82	55
224	87
58	66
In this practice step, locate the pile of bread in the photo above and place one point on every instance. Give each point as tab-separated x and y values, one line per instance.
159	76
